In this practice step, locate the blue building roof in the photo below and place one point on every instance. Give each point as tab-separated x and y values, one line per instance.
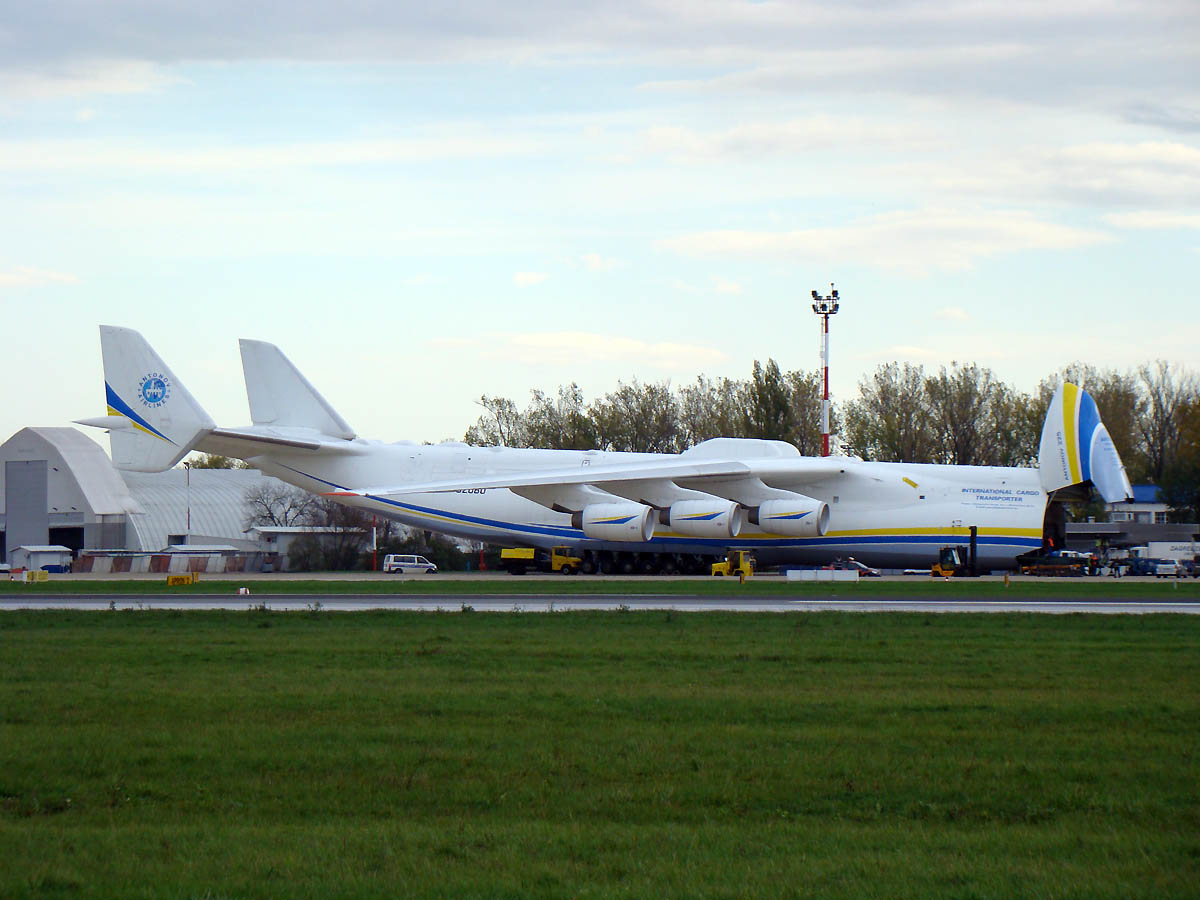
1145	493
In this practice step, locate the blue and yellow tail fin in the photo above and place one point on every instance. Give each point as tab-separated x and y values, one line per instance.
153	421
1076	447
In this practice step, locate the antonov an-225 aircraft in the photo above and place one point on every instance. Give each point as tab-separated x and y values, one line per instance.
653	511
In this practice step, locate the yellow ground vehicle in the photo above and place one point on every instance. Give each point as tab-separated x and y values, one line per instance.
738	562
953	561
519	560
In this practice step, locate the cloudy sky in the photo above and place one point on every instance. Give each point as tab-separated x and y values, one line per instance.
422	203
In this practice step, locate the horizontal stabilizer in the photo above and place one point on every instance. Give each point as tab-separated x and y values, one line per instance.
1076	448
281	397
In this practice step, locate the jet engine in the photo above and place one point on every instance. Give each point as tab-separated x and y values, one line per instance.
713	518
801	517
633	522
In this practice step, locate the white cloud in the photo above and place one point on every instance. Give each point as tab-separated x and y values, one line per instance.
597	263
527	279
98	156
787	138
1152	219
952	314
27	276
84	78
914	242
725	286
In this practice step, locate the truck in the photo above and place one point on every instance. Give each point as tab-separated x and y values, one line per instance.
519	560
1180	550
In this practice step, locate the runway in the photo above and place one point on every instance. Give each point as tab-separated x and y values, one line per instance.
543	603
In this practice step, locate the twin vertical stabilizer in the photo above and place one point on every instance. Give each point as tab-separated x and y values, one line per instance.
282	397
153	421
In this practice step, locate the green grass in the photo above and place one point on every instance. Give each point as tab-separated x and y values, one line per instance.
1064	588
259	754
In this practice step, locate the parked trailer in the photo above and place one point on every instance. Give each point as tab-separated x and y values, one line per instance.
1180	550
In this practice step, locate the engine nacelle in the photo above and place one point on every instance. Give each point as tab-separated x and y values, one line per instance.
714	518
802	517
631	522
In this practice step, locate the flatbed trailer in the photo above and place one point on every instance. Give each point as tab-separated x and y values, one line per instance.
1055	566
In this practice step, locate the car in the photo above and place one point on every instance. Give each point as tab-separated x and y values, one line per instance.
1169	568
1160	568
864	571
407	564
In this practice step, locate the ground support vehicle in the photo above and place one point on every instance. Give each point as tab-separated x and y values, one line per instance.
519	560
738	562
1055	566
954	562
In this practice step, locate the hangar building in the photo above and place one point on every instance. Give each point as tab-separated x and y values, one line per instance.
58	487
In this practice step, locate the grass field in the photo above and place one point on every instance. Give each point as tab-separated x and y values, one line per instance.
1061	588
260	754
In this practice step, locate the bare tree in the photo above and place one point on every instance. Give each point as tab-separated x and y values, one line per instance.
1180	481
1168	394
962	405
889	421
559	422
502	426
273	503
1015	429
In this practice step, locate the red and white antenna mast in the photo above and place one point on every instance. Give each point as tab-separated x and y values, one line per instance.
825	307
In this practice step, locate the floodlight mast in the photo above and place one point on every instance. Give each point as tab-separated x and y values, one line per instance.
825	307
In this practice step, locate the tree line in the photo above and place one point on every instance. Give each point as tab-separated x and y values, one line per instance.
960	414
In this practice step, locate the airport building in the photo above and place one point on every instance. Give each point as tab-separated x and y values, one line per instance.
59	493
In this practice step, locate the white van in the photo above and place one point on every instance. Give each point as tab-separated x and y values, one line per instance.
407	564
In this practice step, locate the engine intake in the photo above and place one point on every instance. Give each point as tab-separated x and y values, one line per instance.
801	517
714	518
630	522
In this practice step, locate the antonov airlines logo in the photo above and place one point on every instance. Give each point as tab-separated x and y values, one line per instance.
154	390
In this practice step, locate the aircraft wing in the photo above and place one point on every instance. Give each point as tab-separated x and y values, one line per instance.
692	474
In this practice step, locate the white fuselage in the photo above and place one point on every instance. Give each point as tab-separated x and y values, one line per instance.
886	514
